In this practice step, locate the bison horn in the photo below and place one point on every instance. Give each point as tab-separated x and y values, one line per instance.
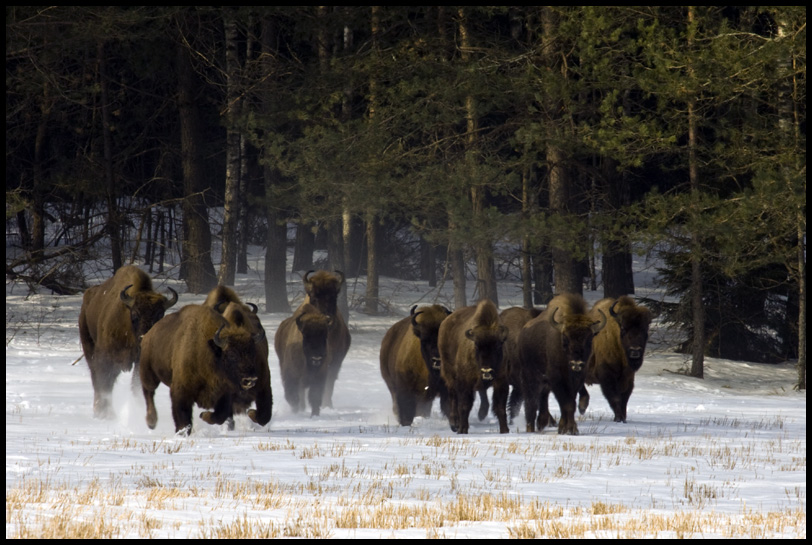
340	277
219	308
612	312
217	340
556	324
414	317
169	302
597	326
446	310
254	308
411	312
127	298
307	274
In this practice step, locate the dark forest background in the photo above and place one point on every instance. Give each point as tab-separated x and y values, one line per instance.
422	142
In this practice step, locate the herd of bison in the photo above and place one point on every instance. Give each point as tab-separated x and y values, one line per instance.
215	355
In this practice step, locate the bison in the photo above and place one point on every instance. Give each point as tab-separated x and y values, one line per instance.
514	319
410	363
470	342
321	291
226	302
302	346
617	352
208	359
113	318
554	348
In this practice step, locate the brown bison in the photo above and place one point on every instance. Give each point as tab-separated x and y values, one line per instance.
617	352
321	291
410	363
470	342
225	301
301	344
205	358
113	318
514	319
554	348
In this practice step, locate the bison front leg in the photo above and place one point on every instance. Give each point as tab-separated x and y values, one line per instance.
264	404
152	413
222	411
103	378
500	397
465	402
181	413
406	408
583	399
567	424
483	404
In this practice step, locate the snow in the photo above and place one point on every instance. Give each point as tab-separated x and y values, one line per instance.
713	458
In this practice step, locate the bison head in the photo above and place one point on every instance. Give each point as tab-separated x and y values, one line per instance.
634	323
577	332
322	290
315	328
146	308
427	329
488	344
236	353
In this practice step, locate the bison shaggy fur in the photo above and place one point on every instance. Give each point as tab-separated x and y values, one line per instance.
113	318
206	359
470	342
617	351
302	346
410	363
554	349
514	319
321	291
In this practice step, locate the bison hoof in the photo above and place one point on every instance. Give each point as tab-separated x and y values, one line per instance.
184	431
151	421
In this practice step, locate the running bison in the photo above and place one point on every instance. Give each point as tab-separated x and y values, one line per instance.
113	318
410	363
617	352
301	344
208	359
470	342
554	348
321	291
514	319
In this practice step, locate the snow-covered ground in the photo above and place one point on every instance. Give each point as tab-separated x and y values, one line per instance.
719	457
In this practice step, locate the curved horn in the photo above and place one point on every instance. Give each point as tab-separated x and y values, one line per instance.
555	324
612	312
340	277
254	308
597	326
219	308
169	302
411	312
217	340
307	274
448	312
127	298
414	316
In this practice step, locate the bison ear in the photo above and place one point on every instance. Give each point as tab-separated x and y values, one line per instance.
470	334
503	333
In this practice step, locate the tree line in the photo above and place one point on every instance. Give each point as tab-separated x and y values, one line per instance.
571	134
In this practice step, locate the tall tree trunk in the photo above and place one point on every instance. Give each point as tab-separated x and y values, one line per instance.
486	280
276	293
566	270
233	201
616	254
371	297
196	247
38	182
697	303
113	221
529	208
